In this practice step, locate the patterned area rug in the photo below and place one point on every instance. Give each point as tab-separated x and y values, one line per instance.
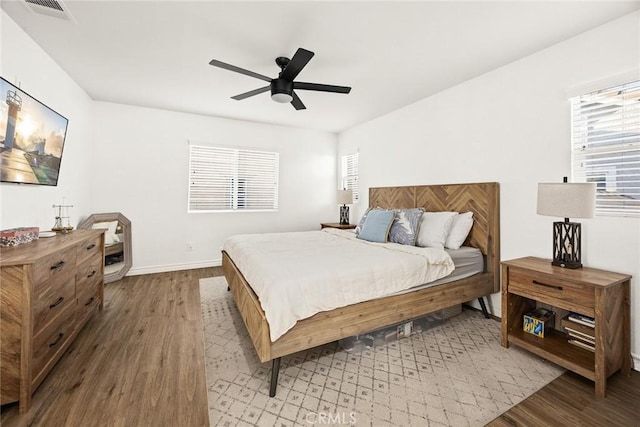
455	374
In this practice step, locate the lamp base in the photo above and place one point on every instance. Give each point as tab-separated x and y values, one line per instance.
567	238
565	264
344	215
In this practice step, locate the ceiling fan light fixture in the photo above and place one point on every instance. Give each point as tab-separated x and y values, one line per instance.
282	97
281	90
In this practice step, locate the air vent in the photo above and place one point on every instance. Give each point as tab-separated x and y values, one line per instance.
53	8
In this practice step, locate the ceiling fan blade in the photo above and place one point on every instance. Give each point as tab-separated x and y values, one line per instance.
322	88
297	63
297	103
251	93
230	67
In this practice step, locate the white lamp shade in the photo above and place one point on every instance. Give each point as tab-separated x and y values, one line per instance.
345	197
567	200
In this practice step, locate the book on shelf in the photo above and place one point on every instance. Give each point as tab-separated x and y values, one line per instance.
582	337
569	325
582	319
582	344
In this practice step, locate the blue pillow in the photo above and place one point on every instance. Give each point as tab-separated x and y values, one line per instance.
362	220
376	226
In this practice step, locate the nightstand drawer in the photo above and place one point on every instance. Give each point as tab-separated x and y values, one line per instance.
551	290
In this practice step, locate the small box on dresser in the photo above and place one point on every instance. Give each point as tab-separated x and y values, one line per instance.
50	288
18	236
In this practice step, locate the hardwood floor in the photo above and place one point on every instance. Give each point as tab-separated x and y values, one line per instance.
570	401
138	363
141	363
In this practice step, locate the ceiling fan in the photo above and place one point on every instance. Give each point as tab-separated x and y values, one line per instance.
282	86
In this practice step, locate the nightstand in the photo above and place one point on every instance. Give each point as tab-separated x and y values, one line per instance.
337	225
600	294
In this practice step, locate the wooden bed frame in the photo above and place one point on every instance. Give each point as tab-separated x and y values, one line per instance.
483	199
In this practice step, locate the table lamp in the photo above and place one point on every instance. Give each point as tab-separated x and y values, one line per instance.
345	197
564	199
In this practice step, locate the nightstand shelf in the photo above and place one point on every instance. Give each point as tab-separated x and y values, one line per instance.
554	347
603	295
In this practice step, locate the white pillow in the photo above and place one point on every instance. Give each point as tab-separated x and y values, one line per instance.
460	228
110	236
434	229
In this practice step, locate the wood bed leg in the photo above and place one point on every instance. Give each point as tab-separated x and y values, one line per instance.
275	369
484	308
228	288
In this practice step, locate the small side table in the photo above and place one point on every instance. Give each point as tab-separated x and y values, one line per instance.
337	225
600	294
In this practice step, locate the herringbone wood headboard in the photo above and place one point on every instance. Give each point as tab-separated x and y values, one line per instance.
483	199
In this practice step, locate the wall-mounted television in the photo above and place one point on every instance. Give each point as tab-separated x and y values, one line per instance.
31	138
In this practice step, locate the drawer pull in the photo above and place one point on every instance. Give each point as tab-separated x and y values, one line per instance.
91	246
58	265
90	301
559	288
93	273
60	335
57	303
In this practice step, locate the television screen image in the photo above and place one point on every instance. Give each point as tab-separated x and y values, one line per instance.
31	138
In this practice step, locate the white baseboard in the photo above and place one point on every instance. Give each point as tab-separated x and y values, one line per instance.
636	362
174	267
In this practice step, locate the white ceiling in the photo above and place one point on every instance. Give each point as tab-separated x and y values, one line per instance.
156	53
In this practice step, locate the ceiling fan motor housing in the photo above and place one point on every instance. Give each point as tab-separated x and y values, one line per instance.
281	90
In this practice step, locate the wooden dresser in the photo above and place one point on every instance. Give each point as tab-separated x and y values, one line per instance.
48	290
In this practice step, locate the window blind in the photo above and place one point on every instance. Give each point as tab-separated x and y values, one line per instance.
350	175
606	146
232	179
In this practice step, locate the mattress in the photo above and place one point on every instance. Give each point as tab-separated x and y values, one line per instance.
467	260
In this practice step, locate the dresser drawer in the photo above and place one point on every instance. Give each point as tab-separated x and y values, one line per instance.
89	249
89	292
87	305
89	275
57	264
50	343
554	291
52	298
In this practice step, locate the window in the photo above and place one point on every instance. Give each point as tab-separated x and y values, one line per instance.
349	173
232	179
606	146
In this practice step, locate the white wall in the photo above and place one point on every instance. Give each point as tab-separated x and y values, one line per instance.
23	62
132	160
140	168
511	125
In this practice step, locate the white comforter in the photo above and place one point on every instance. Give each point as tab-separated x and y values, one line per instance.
296	275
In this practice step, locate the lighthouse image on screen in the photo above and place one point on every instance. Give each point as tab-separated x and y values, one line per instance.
32	138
